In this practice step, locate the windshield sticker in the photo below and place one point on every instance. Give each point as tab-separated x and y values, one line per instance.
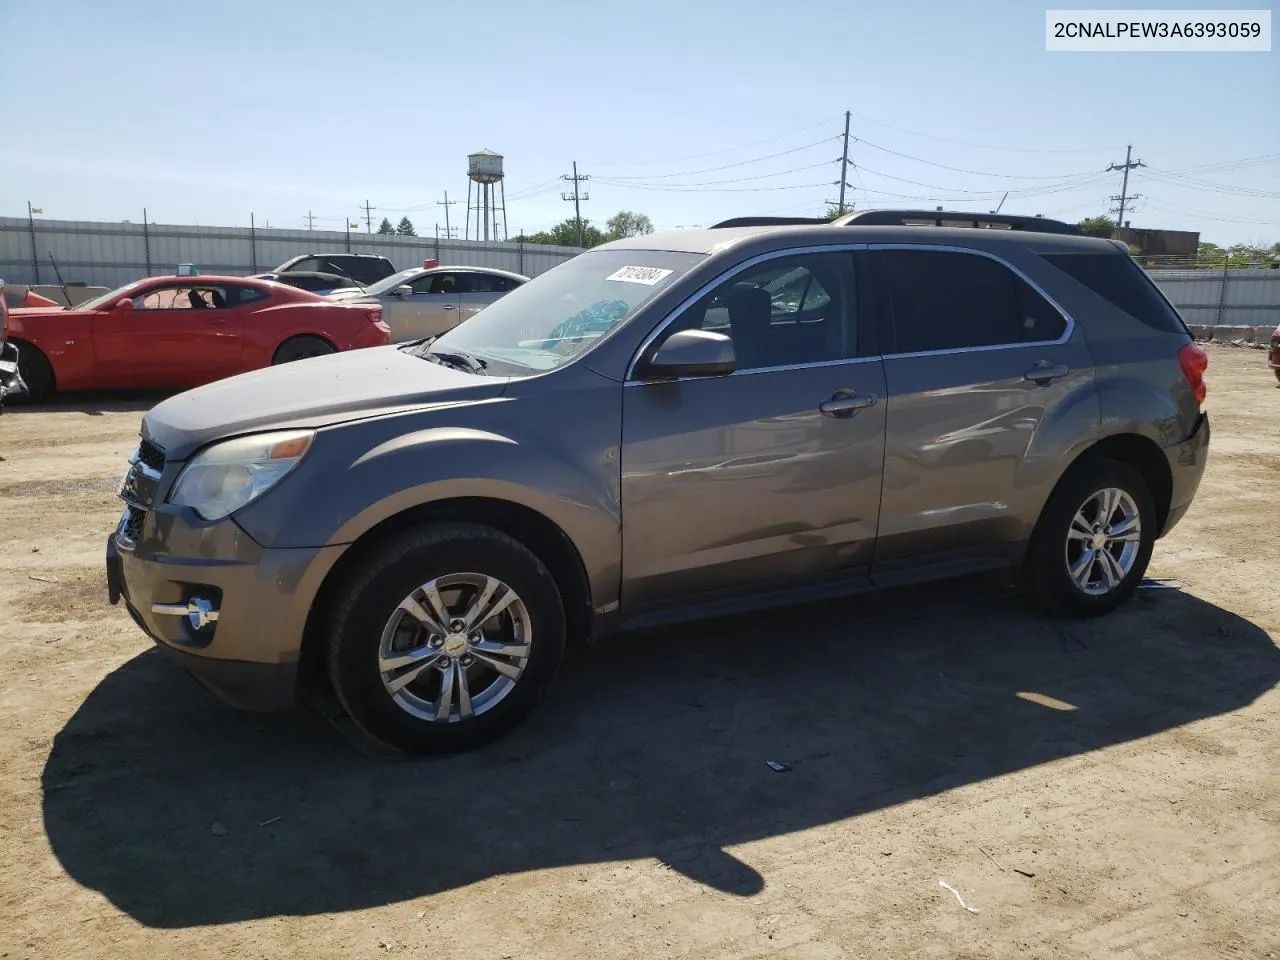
646	275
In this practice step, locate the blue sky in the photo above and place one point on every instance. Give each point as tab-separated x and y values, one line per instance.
686	111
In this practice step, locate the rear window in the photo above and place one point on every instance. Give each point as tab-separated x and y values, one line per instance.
1122	283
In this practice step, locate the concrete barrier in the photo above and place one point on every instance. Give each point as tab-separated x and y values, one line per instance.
1256	334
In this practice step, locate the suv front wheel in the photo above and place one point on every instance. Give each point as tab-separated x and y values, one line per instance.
446	638
1094	539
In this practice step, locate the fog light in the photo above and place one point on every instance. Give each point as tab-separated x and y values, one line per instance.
199	611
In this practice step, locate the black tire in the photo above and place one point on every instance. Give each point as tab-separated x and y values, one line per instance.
300	348
1046	571
366	603
36	373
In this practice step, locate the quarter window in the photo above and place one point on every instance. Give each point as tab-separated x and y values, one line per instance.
940	300
791	310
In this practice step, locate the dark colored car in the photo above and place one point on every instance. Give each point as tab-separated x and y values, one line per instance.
664	428
321	283
363	268
10	379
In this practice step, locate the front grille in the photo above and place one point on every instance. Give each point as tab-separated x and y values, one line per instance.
151	456
131	525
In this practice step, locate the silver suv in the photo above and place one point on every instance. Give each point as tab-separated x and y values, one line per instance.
668	427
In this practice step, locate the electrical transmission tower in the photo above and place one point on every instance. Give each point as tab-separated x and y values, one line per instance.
844	167
1125	198
311	220
576	197
368	216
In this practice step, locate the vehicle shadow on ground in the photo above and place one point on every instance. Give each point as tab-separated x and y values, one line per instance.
90	404
655	746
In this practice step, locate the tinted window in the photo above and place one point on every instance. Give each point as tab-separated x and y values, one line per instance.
948	301
1120	281
483	283
444	283
308	265
249	294
786	311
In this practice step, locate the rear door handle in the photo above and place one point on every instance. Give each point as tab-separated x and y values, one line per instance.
1043	372
845	403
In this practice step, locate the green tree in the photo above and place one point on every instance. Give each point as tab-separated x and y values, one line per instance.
624	223
405	228
835	210
1103	227
385	228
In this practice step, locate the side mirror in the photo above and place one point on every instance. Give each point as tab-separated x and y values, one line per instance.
692	353
123	306
404	290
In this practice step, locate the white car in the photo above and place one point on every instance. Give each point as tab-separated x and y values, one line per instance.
426	301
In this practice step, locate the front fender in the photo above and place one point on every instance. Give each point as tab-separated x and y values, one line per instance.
354	479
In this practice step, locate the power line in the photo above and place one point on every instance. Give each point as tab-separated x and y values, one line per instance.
980	146
1129	164
712	153
727	166
576	197
710	183
975	173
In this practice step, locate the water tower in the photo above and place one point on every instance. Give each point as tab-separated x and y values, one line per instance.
484	169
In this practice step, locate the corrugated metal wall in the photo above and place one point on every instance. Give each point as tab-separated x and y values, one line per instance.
113	254
1223	297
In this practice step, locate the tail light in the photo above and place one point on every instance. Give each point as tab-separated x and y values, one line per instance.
1194	361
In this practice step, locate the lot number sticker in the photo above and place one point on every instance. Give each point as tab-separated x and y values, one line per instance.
646	275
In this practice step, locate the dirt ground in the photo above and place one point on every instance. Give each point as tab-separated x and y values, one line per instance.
1106	789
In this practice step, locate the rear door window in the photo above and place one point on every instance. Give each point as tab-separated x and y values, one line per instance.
945	300
1122	283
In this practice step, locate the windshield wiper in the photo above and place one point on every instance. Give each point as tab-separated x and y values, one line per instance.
409	345
459	359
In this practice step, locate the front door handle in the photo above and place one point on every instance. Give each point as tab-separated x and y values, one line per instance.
1043	372
449	306
845	403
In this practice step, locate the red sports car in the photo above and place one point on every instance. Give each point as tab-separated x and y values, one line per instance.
181	332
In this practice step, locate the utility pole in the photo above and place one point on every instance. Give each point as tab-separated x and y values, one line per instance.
368	216
35	255
448	231
576	197
844	161
253	245
146	239
311	220
1125	199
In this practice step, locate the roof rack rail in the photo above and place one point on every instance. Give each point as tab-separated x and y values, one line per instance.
769	222
955	218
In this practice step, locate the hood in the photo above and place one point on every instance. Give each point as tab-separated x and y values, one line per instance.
31	313
311	393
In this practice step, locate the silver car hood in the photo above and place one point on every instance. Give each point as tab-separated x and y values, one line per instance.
316	392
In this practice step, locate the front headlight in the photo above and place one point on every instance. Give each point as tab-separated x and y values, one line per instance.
226	476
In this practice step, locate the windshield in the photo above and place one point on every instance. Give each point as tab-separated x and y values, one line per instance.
393	281
120	293
558	315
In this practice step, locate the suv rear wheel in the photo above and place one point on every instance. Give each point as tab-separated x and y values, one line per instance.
1094	539
446	638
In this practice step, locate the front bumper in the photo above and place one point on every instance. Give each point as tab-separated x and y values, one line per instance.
1186	465
167	560
10	380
